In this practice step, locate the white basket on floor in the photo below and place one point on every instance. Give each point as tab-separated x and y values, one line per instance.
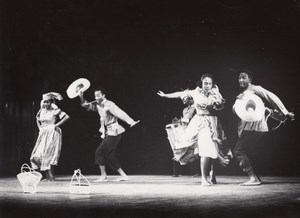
29	179
79	184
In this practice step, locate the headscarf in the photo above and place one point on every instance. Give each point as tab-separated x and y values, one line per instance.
51	96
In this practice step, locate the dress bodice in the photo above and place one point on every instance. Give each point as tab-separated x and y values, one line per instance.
204	102
49	117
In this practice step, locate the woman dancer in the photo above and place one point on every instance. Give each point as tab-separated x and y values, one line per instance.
205	128
47	149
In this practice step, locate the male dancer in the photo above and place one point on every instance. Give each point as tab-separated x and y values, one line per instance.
110	130
250	132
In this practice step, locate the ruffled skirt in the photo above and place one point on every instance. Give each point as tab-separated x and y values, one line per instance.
203	136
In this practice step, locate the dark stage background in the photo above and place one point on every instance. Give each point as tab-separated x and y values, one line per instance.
135	48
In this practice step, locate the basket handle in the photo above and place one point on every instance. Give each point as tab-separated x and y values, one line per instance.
77	174
25	168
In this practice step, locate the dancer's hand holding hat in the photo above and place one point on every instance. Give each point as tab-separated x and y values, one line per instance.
77	87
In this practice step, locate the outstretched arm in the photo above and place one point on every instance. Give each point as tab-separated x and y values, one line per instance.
171	95
274	101
119	113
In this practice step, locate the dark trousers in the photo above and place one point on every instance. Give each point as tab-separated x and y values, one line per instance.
106	152
245	143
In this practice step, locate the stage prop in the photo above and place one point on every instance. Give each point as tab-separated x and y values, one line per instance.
250	107
29	179
79	85
79	184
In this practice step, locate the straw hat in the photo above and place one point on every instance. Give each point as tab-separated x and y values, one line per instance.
250	107
79	85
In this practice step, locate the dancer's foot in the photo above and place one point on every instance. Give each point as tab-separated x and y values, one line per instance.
258	179
213	179
45	176
252	182
101	179
123	178
51	176
52	179
205	183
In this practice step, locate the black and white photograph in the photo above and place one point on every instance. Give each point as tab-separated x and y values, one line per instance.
127	108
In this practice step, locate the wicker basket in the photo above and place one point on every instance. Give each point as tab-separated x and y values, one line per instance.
29	179
79	184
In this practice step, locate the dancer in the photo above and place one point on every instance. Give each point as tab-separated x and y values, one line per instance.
110	131
189	111
187	114
47	149
250	132
205	128
186	155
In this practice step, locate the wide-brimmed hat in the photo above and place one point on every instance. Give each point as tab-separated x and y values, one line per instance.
250	107
79	85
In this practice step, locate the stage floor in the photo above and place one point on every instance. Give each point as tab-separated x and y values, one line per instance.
154	196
